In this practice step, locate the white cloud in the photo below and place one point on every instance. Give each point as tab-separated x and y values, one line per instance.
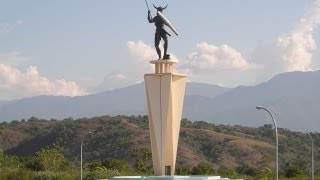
141	55
141	52
6	27
206	59
15	84
297	46
213	58
291	51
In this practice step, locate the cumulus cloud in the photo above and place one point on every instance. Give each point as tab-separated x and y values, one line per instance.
141	54
206	59
213	58
140	51
297	46
15	83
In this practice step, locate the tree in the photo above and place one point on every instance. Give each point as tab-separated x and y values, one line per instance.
116	164
51	158
1	151
264	174
33	119
227	172
1	157
33	164
182	171
143	160
102	173
1	129
95	164
292	171
203	169
246	169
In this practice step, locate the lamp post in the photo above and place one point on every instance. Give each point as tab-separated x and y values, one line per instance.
276	129
312	160
81	156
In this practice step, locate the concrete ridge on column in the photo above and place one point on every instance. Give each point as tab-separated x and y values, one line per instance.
164	61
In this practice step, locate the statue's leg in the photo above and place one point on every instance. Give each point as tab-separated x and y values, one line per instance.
157	43
165	46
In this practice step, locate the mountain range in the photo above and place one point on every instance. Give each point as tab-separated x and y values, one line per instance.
293	98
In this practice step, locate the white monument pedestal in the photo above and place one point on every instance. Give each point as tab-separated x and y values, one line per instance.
165	95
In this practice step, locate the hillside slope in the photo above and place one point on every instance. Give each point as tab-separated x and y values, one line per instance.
113	137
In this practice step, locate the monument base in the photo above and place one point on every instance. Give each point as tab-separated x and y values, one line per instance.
168	177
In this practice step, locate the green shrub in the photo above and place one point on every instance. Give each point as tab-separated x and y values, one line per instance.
224	171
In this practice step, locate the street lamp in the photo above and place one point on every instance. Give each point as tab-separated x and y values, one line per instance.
81	155
312	161
276	128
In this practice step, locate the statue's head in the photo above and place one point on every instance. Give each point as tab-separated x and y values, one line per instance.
160	8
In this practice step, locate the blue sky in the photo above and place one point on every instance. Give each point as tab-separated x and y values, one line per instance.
78	47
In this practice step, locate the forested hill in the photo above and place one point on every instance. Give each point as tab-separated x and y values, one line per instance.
116	137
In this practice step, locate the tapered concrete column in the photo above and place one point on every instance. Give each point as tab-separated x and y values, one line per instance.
165	95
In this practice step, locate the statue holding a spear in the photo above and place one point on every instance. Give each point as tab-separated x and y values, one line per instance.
160	20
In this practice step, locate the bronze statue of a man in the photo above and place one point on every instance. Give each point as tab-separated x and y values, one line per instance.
160	32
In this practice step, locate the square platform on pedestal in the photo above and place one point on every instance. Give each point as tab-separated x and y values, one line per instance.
168	178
